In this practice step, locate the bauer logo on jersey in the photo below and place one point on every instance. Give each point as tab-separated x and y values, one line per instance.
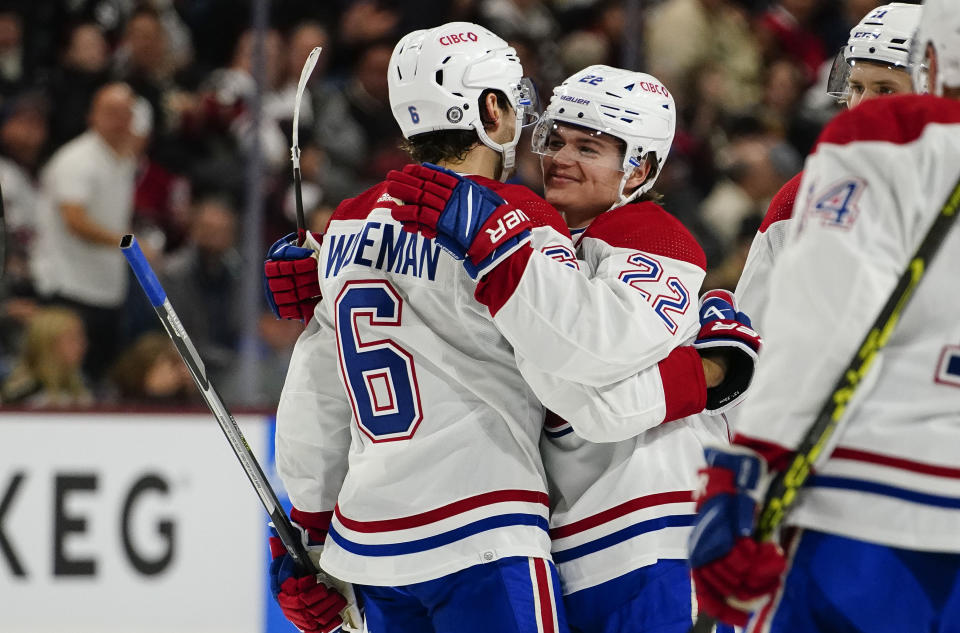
837	205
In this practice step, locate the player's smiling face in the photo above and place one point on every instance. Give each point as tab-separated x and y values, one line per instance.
581	172
868	80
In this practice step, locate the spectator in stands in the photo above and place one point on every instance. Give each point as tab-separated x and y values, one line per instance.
48	371
223	121
756	167
89	185
23	134
13	71
152	372
684	35
786	30
82	71
202	279
356	127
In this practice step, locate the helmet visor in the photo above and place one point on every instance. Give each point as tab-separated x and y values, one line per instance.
528	102
919	68
838	85
566	141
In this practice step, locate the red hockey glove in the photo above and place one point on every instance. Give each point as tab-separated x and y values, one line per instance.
313	603
291	283
727	332
732	573
469	221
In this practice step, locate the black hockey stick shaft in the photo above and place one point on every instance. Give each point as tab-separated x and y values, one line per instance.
171	323
783	490
308	67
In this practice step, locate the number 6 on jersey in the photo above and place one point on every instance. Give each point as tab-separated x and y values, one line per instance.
380	376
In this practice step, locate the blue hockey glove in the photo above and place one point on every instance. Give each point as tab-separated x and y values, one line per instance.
732	573
290	280
468	220
726	332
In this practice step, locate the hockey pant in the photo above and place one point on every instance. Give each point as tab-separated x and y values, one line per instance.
510	595
657	598
836	584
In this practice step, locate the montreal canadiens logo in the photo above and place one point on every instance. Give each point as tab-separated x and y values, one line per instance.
454	114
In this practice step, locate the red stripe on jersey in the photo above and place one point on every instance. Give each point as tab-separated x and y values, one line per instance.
496	288
625	508
646	227
858	455
898	119
781	206
443	512
553	420
684	385
778	457
359	208
543	595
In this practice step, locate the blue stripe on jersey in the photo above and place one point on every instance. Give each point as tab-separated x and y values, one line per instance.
650	525
559	433
439	540
824	481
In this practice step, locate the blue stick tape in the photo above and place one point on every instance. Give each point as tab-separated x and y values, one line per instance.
141	268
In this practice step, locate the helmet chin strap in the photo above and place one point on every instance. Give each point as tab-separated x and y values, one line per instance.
643	188
507	151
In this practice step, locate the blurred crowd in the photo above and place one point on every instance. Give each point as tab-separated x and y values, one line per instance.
121	116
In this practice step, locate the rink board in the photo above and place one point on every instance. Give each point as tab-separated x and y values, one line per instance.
131	522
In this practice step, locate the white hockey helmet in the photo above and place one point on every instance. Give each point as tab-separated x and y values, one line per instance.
939	30
437	76
633	107
882	37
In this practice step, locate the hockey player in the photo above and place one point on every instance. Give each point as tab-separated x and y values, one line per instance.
872	64
468	398
874	542
418	471
622	507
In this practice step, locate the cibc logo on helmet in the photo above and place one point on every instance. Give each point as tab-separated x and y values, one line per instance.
454	114
458	38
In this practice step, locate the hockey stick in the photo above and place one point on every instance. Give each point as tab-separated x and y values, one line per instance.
308	67
784	488
171	323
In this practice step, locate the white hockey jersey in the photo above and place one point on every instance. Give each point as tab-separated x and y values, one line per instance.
404	412
752	288
870	191
625	500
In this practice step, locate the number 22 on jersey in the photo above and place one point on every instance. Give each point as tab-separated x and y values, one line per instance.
380	376
672	296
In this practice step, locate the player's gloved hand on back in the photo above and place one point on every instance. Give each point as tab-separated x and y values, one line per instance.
468	220
291	283
311	602
733	574
726	334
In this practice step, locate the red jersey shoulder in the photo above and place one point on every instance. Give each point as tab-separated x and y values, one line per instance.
899	119
645	226
359	207
781	206
540	212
